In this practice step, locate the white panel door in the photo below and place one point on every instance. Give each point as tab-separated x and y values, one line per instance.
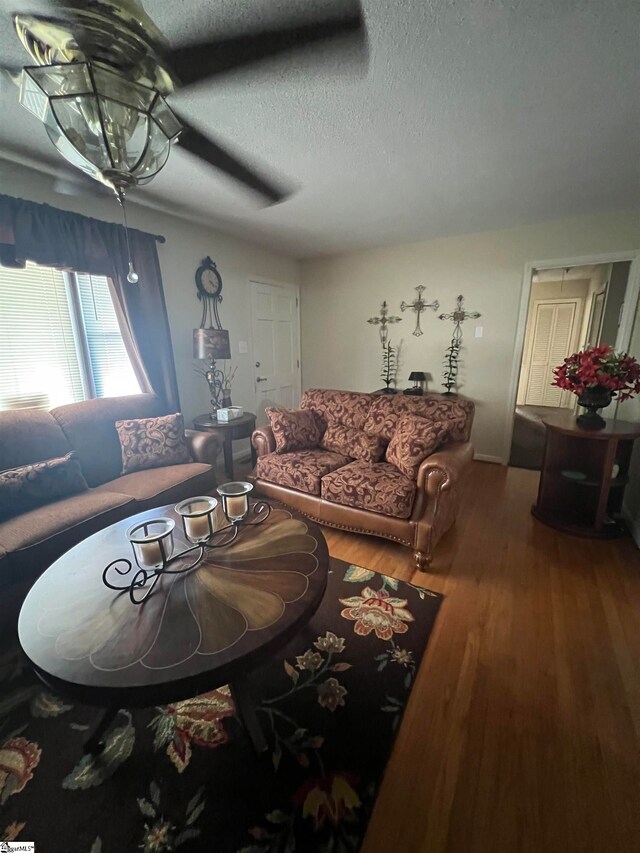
553	339
275	346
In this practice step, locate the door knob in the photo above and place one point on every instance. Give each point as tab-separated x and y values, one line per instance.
261	378
257	364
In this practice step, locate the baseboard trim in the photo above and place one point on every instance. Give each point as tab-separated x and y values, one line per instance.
483	457
634	525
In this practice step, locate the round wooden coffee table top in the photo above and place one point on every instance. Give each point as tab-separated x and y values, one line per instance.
195	632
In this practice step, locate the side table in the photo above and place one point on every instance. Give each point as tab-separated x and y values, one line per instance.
228	432
584	473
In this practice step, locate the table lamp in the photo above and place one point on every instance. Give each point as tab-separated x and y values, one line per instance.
208	345
417	377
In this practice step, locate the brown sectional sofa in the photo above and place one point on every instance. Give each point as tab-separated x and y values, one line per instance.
29	543
372	497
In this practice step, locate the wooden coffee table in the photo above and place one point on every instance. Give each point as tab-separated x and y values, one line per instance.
196	631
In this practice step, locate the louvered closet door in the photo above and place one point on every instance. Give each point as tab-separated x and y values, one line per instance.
552	342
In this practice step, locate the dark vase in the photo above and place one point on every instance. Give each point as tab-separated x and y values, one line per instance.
592	400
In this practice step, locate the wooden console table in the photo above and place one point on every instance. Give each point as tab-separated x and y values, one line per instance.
578	493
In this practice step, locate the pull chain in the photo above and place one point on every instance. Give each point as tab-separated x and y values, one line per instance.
132	275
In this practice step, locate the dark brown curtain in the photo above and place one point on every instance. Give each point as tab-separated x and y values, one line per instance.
57	238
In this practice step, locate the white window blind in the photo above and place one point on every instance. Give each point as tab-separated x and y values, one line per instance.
59	339
39	362
110	364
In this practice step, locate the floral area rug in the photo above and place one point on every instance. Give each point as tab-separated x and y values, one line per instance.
185	777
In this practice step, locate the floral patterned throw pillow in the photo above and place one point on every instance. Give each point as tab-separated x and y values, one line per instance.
31	486
415	438
353	442
152	443
293	429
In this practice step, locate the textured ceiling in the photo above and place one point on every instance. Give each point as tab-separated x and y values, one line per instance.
472	116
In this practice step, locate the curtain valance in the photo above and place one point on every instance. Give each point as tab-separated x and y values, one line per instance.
70	241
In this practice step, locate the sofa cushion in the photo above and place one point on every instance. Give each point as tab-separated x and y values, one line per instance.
35	539
302	470
293	429
152	442
29	435
353	442
414	439
30	486
90	428
375	486
160	486
386	410
349	408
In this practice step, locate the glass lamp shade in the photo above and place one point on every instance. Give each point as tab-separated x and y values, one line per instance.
211	343
113	129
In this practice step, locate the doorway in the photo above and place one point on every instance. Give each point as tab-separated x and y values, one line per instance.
569	308
275	326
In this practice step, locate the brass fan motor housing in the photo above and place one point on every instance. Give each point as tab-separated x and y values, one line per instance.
118	33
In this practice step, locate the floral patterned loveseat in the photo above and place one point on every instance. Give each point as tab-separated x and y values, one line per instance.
372	497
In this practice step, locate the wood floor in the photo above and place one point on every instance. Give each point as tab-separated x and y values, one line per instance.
522	734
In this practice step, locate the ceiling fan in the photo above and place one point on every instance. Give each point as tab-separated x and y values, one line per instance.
103	72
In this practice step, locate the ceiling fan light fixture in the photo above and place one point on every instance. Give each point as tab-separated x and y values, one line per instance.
116	130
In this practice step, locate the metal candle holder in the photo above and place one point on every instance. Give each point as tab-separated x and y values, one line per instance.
235	500
156	536
197	516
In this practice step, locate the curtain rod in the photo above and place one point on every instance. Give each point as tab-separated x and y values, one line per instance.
159	238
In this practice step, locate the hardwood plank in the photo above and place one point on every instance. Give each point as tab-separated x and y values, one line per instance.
523	730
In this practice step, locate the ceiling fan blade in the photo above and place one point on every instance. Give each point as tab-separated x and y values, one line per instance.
206	149
203	60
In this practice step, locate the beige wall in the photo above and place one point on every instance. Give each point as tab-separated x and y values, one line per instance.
339	348
186	245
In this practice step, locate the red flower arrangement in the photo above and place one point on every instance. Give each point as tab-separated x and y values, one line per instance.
599	367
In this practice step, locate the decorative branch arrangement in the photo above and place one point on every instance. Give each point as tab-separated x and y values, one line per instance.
418	305
389	367
452	353
219	381
450	373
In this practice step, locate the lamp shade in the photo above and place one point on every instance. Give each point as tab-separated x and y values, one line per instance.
417	376
211	343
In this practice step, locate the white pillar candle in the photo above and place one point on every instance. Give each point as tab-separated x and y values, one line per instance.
197	527
149	553
236	506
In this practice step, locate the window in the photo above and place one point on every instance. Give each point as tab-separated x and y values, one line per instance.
59	339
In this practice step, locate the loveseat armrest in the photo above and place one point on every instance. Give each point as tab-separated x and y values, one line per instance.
204	446
263	440
443	469
438	497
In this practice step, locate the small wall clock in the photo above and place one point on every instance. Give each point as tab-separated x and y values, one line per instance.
209	285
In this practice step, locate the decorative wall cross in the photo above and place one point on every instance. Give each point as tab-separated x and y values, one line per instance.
418	305
452	355
459	316
383	320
